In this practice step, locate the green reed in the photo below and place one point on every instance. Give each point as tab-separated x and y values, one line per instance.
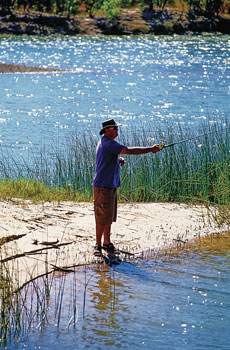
30	307
197	170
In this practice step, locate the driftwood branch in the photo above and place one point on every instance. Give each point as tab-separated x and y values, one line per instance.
11	238
35	251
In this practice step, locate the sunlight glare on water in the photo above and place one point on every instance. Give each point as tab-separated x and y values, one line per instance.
139	81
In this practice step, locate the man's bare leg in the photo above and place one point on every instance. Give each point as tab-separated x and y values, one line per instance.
100	229
107	230
99	233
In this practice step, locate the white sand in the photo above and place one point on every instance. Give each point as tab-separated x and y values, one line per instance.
139	228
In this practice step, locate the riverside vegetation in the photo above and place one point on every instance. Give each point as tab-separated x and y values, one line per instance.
119	17
195	171
26	308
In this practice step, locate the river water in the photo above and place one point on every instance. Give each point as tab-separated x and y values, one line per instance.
180	301
142	82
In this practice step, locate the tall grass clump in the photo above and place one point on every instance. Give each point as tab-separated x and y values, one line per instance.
34	306
62	171
197	170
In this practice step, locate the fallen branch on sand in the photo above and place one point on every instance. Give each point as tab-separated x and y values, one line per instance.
32	252
11	238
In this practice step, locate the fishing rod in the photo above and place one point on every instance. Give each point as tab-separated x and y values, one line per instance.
162	145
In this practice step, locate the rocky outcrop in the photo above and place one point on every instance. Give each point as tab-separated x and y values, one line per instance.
165	22
38	25
223	25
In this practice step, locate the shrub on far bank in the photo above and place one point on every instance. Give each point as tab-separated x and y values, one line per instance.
111	8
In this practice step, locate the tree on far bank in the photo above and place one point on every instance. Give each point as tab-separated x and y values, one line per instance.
160	4
213	7
111	8
92	5
72	7
210	8
6	6
148	3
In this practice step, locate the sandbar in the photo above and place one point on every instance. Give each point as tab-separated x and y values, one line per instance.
40	238
20	68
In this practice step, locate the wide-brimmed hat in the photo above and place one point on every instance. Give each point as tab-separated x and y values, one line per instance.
108	124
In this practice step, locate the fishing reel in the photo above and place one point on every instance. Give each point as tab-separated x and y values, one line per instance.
161	145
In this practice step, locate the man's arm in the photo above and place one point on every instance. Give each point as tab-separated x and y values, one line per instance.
140	150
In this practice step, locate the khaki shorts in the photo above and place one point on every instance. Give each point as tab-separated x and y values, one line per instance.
105	205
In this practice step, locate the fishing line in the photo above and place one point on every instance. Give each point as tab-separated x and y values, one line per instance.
162	145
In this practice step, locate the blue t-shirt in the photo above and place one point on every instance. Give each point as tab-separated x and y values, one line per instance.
107	163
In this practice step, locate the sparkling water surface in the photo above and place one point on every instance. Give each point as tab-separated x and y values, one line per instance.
175	301
143	82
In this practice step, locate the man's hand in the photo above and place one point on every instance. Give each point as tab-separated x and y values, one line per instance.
156	148
121	161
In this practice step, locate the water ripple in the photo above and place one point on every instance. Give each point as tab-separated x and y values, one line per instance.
134	79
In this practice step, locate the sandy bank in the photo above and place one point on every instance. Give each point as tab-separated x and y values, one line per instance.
18	68
62	235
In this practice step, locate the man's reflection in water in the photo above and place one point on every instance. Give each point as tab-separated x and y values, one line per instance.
104	295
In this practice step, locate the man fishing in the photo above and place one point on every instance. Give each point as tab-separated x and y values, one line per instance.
107	180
